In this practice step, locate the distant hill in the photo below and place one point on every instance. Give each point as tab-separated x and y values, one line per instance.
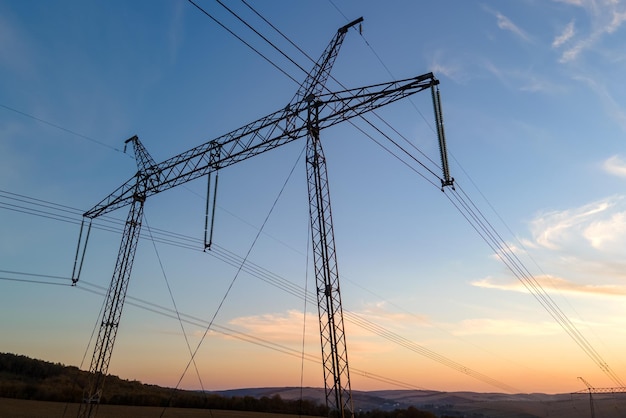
24	378
464	404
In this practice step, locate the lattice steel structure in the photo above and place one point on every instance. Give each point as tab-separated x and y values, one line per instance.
310	111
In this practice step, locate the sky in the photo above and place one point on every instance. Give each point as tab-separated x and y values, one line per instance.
534	108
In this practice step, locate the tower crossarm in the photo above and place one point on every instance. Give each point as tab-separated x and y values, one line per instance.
269	132
619	389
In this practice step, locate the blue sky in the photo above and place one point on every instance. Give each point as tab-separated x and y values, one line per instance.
535	117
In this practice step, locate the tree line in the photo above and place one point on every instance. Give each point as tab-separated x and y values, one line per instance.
22	377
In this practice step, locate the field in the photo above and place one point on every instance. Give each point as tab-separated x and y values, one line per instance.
496	405
458	404
17	408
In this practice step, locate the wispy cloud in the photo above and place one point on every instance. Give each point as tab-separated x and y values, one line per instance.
555	284
532	83
608	232
615	165
566	35
573	52
381	313
526	81
287	327
585	243
451	71
176	30
572	2
505	327
619	17
505	23
284	327
557	229
606	17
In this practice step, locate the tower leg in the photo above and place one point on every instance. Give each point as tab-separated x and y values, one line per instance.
112	311
333	341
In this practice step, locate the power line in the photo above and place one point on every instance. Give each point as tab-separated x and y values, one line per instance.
241	265
213	18
473	216
230	258
54	125
13	279
169	290
493	239
279	32
407	153
47	276
41	213
488	234
196	321
486	231
403	150
261	36
139	303
521	245
410	99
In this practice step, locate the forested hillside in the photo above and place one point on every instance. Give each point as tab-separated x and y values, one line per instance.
24	378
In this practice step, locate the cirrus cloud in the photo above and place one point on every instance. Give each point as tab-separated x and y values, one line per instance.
566	35
606	18
555	285
615	166
559	229
507	24
505	327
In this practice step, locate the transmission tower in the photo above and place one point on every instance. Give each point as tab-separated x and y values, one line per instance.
591	390
310	111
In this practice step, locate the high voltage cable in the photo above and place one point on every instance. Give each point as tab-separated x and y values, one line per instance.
194	320
169	289
164	237
304	71
486	231
273	64
488	236
410	345
278	31
260	35
482	227
362	117
226	255
256	51
510	259
95	141
13	279
47	276
534	287
350	316
242	336
408	154
230	258
241	39
356	319
410	99
240	267
509	229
